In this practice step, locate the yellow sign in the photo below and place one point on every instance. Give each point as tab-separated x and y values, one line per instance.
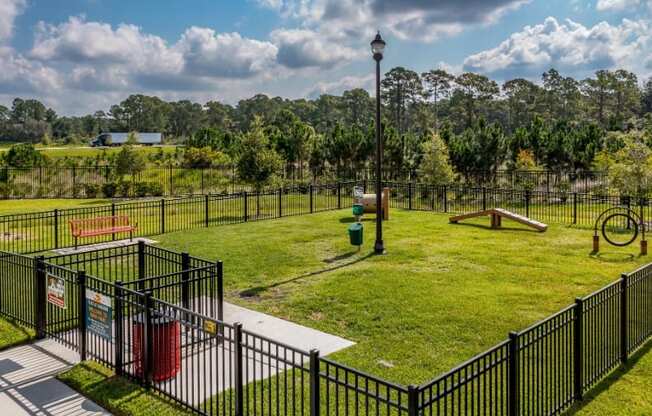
210	327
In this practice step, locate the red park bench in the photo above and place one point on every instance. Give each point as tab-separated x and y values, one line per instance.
91	227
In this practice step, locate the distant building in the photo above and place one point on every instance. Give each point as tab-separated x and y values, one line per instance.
118	139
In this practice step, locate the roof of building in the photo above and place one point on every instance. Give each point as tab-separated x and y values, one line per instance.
147	138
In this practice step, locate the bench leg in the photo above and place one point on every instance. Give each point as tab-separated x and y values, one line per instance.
75	243
131	236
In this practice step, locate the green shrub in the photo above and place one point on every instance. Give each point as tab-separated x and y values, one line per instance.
91	190
155	189
141	189
109	189
125	189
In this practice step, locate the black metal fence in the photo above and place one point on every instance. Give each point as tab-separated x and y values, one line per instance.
222	368
102	181
40	231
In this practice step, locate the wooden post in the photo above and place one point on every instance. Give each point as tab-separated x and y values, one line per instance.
643	247
596	243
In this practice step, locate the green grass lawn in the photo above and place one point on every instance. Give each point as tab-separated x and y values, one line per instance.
12	334
442	294
59	151
116	394
21	206
624	392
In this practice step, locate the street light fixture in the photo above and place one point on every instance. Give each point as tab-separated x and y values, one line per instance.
377	48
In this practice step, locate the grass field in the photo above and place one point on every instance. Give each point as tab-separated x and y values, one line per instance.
442	294
116	394
21	206
12	334
59	151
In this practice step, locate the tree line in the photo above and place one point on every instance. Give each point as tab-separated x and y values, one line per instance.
560	124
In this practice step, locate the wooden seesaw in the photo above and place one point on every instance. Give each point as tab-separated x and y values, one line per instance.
497	215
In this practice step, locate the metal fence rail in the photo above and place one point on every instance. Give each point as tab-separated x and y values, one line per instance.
41	231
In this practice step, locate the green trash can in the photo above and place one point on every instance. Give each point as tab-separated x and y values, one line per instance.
355	234
358	210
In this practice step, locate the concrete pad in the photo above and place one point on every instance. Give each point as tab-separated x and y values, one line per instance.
101	246
28	386
263	359
286	332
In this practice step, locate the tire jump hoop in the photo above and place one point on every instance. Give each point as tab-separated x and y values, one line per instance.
634	222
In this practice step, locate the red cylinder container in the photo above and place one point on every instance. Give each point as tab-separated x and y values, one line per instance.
166	349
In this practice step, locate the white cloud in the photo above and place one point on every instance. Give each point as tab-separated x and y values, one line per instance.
228	55
9	10
299	48
339	86
570	46
424	20
618	5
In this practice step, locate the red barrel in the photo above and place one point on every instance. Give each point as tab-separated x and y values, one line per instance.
166	347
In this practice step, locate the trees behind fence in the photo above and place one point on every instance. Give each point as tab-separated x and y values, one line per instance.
103	181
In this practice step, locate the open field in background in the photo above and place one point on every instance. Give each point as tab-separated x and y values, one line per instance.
60	151
443	294
21	206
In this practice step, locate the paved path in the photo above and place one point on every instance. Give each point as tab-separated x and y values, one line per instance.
28	385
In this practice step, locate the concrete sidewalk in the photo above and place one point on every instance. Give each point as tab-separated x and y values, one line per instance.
28	385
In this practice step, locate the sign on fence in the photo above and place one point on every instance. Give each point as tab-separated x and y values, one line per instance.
99	314
56	291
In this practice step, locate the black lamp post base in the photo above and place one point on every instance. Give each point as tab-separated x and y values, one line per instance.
379	247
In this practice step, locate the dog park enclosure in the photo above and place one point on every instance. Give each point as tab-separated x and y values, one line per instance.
540	370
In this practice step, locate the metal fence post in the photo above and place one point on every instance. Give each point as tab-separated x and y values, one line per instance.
624	319
574	207
81	287
280	202
445	197
220	291
484	198
410	196
578	350
113	215
527	203
314	383
206	215
364	186
162	226
185	280
56	228
239	383
310	191
142	266
147	344
413	400
513	392
339	195
246	211
119	327
40	307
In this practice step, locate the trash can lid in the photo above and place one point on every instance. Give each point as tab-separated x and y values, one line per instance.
355	227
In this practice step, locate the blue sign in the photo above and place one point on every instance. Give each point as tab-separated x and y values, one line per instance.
99	315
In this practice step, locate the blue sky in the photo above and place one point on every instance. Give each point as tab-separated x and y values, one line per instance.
83	55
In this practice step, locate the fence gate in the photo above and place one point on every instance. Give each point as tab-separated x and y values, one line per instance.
60	298
18	288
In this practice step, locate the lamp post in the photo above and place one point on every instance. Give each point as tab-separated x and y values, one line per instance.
377	48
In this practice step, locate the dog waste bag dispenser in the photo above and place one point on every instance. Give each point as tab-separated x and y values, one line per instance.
355	234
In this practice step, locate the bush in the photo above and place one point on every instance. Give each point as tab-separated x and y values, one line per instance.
5	190
155	189
125	189
91	190
109	189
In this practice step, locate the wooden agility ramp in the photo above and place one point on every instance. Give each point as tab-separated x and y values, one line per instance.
497	215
